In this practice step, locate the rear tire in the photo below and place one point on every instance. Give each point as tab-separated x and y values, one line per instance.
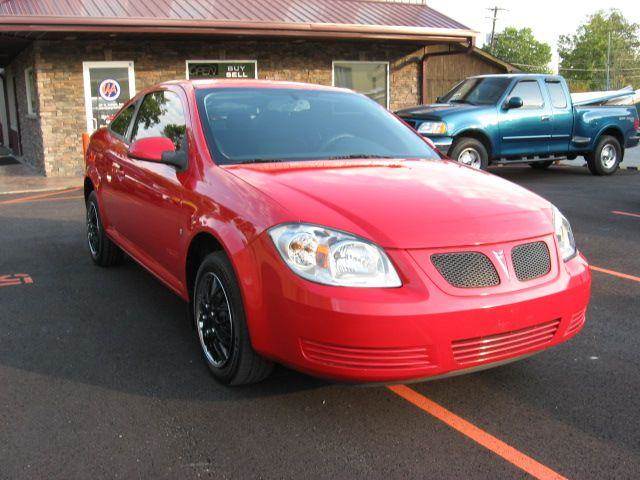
606	157
221	327
103	251
541	165
470	152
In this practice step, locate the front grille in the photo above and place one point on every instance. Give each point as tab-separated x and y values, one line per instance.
357	357
466	269
503	345
531	261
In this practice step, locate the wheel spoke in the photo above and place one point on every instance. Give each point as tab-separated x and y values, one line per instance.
215	327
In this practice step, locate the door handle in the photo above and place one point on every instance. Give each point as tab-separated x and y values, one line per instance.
545	118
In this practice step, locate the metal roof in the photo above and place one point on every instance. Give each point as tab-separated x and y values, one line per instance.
242	16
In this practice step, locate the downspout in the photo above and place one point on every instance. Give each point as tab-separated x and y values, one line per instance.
425	59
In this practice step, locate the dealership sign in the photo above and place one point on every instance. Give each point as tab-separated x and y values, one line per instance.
109	90
203	70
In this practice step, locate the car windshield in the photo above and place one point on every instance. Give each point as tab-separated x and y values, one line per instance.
249	125
478	91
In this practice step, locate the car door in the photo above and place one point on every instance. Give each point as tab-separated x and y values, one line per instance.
113	201
156	216
562	116
525	131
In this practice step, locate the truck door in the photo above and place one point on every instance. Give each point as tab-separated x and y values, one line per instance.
562	116
525	131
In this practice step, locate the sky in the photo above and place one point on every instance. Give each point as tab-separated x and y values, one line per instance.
547	18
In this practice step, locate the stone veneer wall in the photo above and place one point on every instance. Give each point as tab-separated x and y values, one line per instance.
30	125
61	90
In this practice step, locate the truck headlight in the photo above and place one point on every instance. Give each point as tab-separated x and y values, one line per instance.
564	235
433	128
331	257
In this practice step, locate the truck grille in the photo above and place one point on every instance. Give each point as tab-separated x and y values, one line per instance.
531	261
466	269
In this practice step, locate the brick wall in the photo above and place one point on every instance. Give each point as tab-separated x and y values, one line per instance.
61	91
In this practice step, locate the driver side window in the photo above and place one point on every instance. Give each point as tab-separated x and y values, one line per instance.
530	93
161	115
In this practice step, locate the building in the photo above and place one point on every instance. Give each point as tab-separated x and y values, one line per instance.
67	67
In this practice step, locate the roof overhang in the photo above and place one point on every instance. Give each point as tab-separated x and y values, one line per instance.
234	28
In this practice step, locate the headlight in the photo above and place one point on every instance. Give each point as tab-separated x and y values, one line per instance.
334	258
564	235
433	128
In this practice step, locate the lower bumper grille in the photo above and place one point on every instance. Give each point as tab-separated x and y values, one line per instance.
576	323
378	358
495	347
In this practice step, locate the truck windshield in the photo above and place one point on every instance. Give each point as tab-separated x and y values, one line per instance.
478	91
255	125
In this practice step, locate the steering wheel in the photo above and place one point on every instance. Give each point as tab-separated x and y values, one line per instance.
335	139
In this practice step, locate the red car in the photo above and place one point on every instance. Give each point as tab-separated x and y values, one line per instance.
308	226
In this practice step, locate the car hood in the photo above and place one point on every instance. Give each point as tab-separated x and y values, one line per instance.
437	111
403	203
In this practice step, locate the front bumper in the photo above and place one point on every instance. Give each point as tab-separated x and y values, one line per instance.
443	143
414	332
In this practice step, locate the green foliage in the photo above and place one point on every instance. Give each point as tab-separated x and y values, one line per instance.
520	47
583	55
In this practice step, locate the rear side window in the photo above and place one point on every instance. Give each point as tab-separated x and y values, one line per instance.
160	115
558	97
120	124
530	93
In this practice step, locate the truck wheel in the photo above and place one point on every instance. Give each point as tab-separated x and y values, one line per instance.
541	165
606	158
103	251
470	152
221	326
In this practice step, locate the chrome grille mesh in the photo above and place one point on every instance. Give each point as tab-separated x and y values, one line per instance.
466	269
531	261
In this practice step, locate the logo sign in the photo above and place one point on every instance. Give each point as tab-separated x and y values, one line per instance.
109	90
499	255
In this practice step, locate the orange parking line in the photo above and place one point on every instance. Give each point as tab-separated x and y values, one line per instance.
12	280
615	274
637	215
39	196
510	454
57	199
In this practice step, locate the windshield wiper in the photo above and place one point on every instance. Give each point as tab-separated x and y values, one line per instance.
263	160
356	156
462	101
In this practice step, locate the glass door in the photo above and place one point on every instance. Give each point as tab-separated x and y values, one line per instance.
107	87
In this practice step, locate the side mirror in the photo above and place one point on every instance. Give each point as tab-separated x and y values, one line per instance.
438	99
513	103
151	149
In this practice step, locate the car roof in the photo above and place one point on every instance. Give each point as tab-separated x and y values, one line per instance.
519	75
238	83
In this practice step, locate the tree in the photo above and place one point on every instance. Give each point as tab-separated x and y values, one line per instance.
521	48
607	41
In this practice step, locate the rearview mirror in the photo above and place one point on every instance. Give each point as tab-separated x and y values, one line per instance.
151	149
514	102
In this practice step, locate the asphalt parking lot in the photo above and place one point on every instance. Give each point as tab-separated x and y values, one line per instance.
101	377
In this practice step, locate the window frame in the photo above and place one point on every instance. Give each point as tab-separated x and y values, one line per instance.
542	96
187	62
387	65
32	112
548	84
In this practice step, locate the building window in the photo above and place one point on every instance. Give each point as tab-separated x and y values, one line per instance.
203	69
368	78
30	81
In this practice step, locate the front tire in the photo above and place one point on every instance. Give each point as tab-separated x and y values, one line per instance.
470	152
221	326
606	157
103	251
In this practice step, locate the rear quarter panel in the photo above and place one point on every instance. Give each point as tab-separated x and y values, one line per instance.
591	122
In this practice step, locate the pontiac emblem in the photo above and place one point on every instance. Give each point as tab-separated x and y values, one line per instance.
499	255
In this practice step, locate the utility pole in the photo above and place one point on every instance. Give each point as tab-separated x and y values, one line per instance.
609	63
495	11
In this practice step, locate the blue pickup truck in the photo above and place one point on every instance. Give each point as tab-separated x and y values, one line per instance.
524	118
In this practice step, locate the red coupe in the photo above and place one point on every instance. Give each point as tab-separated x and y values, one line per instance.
308	226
